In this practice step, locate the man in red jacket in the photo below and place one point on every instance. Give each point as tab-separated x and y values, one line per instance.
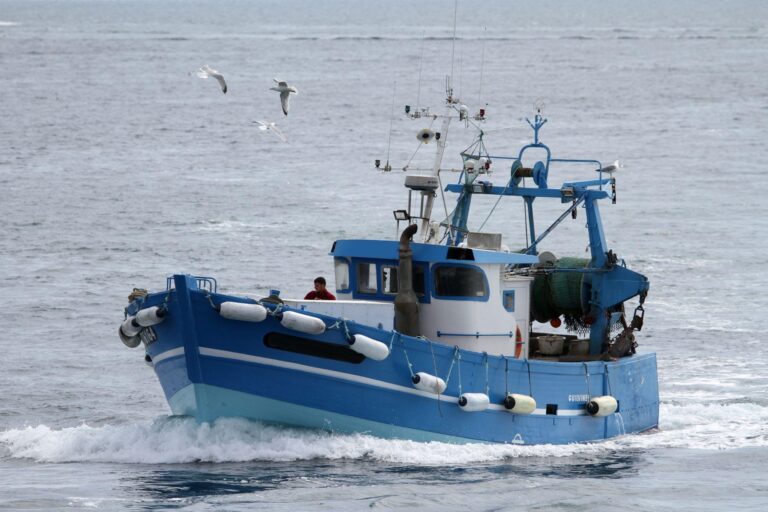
320	293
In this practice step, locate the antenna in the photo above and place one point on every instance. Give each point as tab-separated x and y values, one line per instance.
388	167
453	46
482	66
421	61
461	69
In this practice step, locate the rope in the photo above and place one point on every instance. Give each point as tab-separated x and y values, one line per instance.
434	361
392	339
586	372
137	293
506	376
494	206
459	367
487	387
434	364
442	193
210	300
525	217
410	366
608	380
530	386
278	309
338	325
450	369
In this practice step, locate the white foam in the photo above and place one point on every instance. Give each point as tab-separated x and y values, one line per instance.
8	23
714	426
707	426
180	440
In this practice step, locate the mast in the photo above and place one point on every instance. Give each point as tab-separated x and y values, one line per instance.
428	196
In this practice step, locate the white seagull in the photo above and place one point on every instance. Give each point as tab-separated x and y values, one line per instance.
285	90
270	127
610	169
207	72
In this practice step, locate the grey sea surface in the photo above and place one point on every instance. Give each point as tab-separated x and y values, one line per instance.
120	167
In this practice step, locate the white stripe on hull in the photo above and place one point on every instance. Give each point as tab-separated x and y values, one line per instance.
237	356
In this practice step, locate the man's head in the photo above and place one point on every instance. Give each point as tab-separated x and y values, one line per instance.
319	284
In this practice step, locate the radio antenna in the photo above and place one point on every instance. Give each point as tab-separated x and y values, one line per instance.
482	66
461	69
421	61
388	167
453	46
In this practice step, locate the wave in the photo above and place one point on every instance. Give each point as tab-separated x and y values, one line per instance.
9	23
600	35
729	424
174	440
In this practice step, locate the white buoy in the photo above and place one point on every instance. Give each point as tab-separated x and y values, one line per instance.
602	406
150	316
129	332
519	404
427	382
128	341
303	323
370	348
474	402
130	327
243	312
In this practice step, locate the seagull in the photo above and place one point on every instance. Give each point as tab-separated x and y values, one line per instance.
285	90
207	72
610	169
267	126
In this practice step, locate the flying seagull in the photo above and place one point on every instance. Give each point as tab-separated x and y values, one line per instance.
207	72
270	127
285	90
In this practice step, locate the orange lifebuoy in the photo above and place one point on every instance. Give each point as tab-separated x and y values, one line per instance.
518	342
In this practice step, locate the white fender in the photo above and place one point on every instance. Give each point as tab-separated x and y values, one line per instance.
370	348
130	327
129	332
303	323
602	406
243	312
427	382
150	316
473	402
519	404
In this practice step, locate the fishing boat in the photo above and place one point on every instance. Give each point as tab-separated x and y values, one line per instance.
439	334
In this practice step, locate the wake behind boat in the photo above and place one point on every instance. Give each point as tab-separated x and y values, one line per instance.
433	336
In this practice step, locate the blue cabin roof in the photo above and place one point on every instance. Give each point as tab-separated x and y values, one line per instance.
429	253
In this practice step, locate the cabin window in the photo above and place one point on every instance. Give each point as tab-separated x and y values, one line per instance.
464	282
508	300
366	277
418	280
389	279
342	275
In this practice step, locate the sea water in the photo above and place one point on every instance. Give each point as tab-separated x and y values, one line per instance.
119	167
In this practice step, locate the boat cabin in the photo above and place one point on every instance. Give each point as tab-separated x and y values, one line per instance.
464	296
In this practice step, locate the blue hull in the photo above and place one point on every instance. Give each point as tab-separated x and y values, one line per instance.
211	367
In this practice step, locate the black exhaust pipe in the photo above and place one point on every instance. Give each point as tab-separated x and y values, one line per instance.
406	303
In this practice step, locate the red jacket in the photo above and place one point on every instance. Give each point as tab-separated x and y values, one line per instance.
323	295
